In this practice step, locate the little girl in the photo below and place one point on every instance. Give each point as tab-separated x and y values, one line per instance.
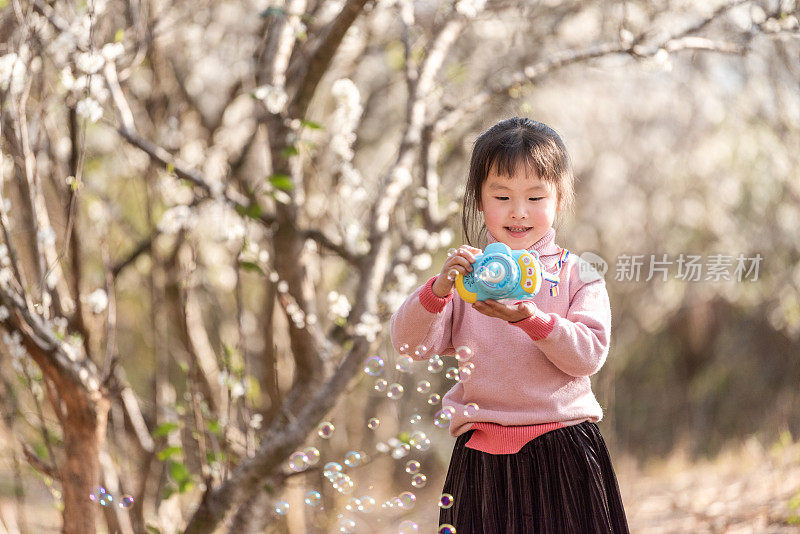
530	457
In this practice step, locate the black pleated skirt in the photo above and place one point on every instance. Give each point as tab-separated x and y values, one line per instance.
561	482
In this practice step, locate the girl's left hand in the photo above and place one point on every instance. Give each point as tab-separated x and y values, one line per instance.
507	312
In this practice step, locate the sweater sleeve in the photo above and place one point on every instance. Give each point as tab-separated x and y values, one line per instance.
578	343
423	319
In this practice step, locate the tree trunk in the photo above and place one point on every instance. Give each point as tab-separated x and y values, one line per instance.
84	426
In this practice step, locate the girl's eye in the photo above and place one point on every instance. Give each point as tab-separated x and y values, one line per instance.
536	198
501	198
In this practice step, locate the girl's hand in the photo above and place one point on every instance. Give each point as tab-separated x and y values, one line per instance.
507	312
462	262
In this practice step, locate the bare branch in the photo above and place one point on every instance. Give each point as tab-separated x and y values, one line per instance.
317	65
37	463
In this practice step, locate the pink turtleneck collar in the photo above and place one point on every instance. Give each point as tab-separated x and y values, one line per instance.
545	246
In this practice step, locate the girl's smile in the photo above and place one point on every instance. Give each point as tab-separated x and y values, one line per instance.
519	209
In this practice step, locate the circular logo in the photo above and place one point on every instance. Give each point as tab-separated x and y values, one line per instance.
592	267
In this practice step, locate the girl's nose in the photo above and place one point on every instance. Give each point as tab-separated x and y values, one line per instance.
519	211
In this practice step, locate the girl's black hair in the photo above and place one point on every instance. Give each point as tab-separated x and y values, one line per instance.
505	146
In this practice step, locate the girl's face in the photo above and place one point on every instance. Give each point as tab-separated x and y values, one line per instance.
518	210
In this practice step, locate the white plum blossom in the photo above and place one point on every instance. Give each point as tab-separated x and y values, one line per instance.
89	109
238	390
422	261
369	326
12	73
339	306
13	343
5	259
112	51
175	219
470	8
67	79
97	300
46	236
89	62
3	313
275	98
348	113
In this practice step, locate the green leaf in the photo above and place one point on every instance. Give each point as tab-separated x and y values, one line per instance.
120	35
170	167
311	125
214	427
289	151
169	452
272	10
251	266
153	530
164	429
281	181
253	211
3	4
181	475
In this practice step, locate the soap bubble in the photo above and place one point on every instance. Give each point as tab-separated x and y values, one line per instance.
463	353
407	500
346	525
413	467
281	507
313	498
352	459
312	453
423	444
401	450
408	527
420	351
446	501
331	468
373	423
452	274
442	418
374	365
353	504
451	251
380	385
446	528
423	386
414	419
126	501
471	409
345	486
465	371
435	364
419	480
366	504
298	461
97	494
434	398
395	391
451	373
404	364
403	348
325	430
416	437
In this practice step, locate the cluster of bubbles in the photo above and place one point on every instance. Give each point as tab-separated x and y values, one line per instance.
335	472
102	497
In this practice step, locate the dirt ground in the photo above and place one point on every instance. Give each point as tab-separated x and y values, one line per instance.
748	489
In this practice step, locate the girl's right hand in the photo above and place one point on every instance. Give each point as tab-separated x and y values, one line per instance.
462	262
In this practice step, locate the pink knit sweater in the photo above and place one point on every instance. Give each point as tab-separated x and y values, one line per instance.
533	372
